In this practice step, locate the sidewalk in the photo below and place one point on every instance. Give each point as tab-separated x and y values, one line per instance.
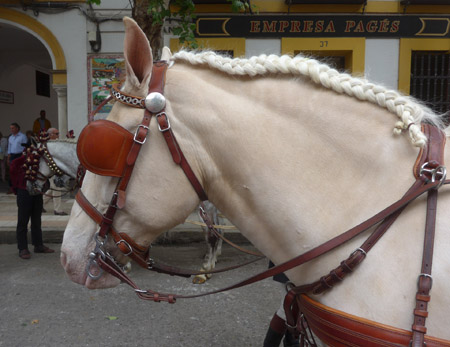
53	226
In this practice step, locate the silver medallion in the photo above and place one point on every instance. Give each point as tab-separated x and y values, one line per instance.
155	102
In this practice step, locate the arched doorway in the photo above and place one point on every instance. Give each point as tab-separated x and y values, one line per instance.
32	73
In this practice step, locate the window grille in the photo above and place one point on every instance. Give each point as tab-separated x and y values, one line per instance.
430	79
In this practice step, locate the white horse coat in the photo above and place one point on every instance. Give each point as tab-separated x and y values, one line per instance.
291	164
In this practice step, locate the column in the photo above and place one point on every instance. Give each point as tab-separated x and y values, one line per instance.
61	90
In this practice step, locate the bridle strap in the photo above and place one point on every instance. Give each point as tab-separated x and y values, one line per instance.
297	261
425	281
98	108
126	245
139	252
119	196
178	156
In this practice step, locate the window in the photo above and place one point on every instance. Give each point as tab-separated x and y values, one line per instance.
42	84
430	79
341	53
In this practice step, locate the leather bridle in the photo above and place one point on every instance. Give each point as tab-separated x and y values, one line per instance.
121	165
430	176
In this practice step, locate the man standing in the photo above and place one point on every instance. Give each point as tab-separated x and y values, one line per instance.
16	143
41	123
53	134
28	207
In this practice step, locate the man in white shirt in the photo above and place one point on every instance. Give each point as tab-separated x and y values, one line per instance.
15	142
15	146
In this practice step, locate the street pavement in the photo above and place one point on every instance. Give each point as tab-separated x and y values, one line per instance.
40	306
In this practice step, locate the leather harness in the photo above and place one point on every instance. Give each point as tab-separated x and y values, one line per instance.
300	309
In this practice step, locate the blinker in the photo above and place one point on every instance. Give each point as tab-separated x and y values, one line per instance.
155	102
103	147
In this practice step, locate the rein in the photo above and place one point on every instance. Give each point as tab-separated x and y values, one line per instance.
430	176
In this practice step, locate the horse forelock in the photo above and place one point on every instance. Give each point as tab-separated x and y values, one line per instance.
409	110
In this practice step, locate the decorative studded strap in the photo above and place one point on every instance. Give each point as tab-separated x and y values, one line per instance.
127	99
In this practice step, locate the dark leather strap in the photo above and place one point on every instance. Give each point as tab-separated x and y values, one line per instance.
435	157
425	279
433	151
98	108
178	156
299	260
348	265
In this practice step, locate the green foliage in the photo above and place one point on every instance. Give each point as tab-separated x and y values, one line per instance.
242	6
183	14
157	9
238	6
182	11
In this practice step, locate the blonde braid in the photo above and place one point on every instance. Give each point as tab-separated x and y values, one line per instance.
408	110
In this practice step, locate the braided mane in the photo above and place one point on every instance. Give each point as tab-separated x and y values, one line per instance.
409	111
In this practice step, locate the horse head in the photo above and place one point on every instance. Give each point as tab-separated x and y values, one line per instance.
156	185
57	160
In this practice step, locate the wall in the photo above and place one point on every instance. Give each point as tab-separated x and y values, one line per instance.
27	104
70	30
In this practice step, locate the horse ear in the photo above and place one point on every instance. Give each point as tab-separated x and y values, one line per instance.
166	54
137	53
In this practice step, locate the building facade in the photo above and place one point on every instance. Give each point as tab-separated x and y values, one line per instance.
64	56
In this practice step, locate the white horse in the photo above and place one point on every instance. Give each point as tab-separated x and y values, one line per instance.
64	154
293	153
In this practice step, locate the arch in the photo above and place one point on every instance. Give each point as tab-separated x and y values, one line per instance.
43	34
